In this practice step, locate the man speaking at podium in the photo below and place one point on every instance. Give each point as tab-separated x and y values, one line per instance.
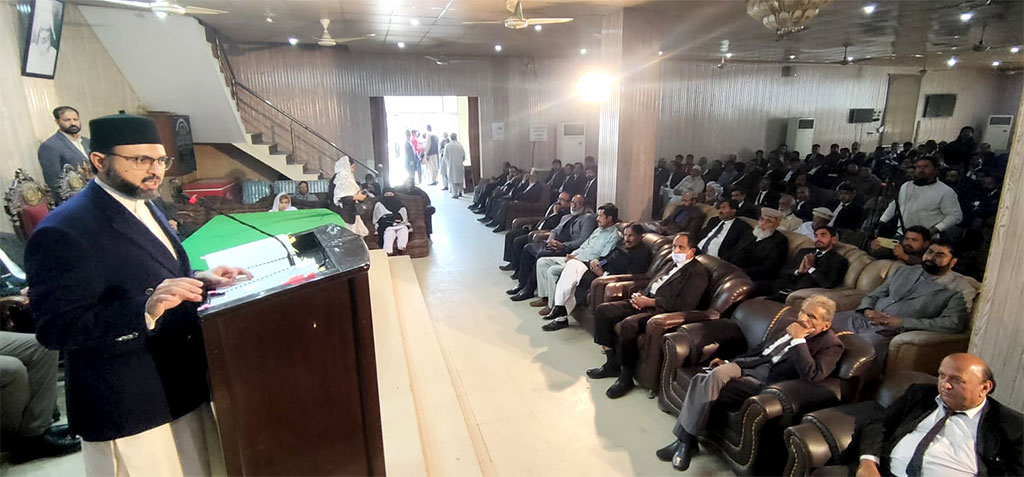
111	287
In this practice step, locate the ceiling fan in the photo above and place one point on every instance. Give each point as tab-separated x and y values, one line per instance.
517	21
442	60
325	38
161	7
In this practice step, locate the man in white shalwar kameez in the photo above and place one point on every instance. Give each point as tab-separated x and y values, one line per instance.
455	155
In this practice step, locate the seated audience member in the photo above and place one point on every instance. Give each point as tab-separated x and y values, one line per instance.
804	203
529	191
589	191
677	287
392	221
569	180
724	235
846	214
666	189
631	258
820	217
28	397
867	186
570	233
815	154
712	173
910	250
555	176
926	201
518	182
282	202
302	191
661	173
953	428
818	267
744	207
713	194
790	222
516	239
807	349
556	286
692	183
764	253
728	172
744	180
484	191
793	169
921	297
687	217
765	196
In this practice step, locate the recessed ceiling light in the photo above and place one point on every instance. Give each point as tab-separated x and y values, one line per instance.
918	56
792	57
414	22
538	27
952	61
1015	50
869	9
497	47
401	44
660	52
966	16
161	15
849	58
583	51
728	55
270	19
293	41
996	63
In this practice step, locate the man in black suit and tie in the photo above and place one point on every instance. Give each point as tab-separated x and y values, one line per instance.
677	287
804	204
528	191
590	186
744	180
724	235
846	214
764	254
806	349
950	429
818	267
685	218
483	192
744	207
516	239
66	146
514	181
567	182
554	176
765	196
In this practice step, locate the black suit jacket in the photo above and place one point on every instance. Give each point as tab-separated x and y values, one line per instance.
738	235
683	291
998	446
684	219
803	210
762	259
525	193
829	271
573	184
555	179
771	199
812	362
850	217
57	151
589	191
551	220
749	210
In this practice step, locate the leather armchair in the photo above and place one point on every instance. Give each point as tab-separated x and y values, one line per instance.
862	277
823	437
520	208
15	315
797	242
749	437
727	287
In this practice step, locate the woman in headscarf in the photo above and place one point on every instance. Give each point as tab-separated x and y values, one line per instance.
282	202
345	195
392	222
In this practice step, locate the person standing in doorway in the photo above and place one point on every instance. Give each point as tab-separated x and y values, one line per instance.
411	159
430	159
454	156
443	166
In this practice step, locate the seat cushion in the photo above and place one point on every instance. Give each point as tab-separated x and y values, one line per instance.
32	215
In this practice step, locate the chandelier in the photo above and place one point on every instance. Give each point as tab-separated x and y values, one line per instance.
785	16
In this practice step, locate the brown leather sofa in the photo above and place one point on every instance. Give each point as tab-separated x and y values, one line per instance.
518	208
857	282
823	437
749	437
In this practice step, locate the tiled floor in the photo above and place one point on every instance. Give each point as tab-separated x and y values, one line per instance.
534	410
531	410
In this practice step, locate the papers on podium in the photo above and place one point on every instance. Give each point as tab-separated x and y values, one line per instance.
267	262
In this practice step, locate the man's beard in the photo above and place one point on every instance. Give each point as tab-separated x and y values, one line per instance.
932	268
575	211
114	179
762	234
923	181
72	130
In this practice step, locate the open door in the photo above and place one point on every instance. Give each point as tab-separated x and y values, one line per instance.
379	128
474	142
900	116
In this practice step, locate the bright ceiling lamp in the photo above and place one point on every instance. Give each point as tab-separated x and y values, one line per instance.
785	16
593	87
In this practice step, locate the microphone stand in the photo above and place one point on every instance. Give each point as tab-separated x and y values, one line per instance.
202	203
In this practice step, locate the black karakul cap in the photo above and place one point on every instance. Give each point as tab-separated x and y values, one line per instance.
121	130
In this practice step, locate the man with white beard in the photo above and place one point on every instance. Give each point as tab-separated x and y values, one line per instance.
763	257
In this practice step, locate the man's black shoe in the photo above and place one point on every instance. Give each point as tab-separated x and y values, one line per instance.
514	291
620	387
500	229
555	325
492	223
56	441
522	296
484	219
681	459
507	267
605	371
557	312
666	453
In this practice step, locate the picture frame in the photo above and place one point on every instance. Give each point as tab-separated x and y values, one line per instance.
42	45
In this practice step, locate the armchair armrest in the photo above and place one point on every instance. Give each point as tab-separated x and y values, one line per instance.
621	289
696	343
525	221
598	286
846	298
823	437
539	235
651	342
807	447
798	397
923	350
8	306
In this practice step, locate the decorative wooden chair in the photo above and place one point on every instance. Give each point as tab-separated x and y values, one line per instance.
26	203
73	179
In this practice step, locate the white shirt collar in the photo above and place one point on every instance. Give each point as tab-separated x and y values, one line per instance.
135	206
969	412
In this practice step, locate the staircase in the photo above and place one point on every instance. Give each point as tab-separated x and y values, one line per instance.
270	154
425	431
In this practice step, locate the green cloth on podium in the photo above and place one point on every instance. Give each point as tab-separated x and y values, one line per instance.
221	232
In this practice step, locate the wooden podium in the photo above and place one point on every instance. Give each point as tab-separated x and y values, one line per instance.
293	371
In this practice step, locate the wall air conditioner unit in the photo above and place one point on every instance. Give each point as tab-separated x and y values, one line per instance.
997	132
570	145
800	134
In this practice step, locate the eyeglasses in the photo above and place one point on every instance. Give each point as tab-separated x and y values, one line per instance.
143	163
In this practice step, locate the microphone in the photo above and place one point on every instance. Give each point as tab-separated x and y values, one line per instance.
195	199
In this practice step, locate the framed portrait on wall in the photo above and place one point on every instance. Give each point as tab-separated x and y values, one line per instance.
46	22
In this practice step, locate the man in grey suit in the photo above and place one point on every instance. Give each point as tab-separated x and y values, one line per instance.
570	233
66	146
923	297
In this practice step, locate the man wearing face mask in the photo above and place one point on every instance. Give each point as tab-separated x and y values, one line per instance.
924	297
66	146
570	233
806	349
678	286
926	201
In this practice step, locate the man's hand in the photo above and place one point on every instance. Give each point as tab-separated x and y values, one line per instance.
716	363
570	257
885	319
220	276
868	468
554	245
171	292
796	330
640	302
595	267
876	246
806	263
899	253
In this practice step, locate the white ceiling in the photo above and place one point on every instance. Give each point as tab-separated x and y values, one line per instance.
691	29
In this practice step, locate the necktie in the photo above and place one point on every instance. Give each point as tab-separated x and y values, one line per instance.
760	198
835	215
914	467
711	238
